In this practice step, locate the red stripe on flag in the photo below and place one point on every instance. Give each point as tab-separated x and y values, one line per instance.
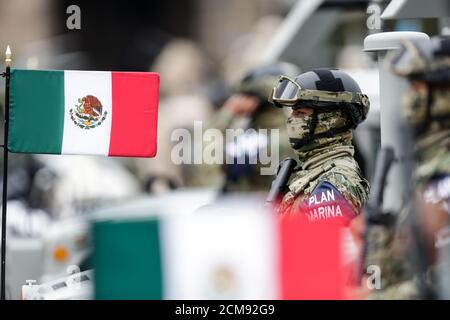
309	260
135	114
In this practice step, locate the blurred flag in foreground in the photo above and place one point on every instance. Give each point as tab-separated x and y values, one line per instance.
217	253
83	112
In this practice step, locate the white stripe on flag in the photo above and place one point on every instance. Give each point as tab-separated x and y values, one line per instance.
220	255
79	84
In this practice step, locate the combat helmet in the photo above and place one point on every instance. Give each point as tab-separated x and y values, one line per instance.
323	90
259	81
423	61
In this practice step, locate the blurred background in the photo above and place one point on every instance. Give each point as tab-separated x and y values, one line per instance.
203	49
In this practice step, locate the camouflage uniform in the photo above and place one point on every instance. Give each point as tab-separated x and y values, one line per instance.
432	147
386	249
326	160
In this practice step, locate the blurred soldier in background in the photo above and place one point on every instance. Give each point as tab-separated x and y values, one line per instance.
426	108
248	108
326	105
185	72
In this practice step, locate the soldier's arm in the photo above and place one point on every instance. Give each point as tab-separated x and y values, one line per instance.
236	106
326	204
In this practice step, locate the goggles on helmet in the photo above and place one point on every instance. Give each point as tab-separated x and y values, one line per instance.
288	93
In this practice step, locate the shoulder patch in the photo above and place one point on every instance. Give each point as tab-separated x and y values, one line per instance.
324	192
327	203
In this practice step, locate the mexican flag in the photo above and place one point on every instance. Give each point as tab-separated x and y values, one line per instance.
83	112
216	253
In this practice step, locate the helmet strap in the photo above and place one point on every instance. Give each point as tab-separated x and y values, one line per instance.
314	122
354	114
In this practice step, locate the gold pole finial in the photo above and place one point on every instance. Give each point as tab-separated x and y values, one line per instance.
8	56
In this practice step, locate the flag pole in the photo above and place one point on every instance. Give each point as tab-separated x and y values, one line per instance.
6	74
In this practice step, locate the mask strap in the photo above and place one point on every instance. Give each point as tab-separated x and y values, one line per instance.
314	122
312	127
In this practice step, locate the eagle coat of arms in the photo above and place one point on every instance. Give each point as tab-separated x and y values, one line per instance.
88	113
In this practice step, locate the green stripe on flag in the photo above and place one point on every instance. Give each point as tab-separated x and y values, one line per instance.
127	260
36	115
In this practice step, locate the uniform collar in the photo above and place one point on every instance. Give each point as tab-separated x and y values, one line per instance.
320	156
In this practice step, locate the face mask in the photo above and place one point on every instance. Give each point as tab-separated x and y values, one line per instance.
300	128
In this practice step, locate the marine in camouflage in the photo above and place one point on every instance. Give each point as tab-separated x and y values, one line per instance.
426	107
322	137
